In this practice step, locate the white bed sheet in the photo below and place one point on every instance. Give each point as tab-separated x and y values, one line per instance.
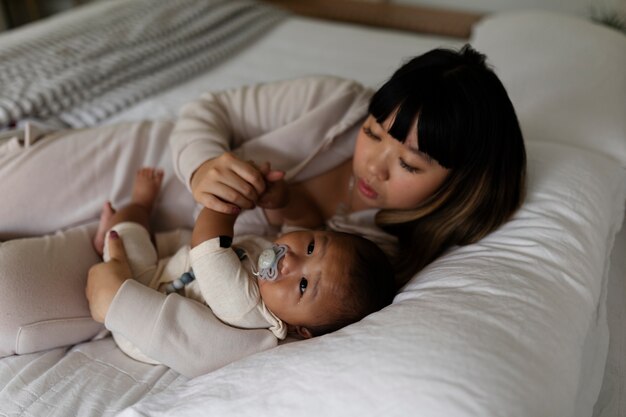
50	383
90	379
612	399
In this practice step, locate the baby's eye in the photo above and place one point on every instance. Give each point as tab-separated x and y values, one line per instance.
310	248
303	284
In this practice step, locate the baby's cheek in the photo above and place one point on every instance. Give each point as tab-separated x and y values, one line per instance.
272	294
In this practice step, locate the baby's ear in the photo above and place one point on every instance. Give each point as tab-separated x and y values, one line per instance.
303	332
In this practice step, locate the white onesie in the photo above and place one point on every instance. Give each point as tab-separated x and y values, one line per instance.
223	281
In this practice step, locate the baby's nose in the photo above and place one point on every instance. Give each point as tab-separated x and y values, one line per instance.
285	264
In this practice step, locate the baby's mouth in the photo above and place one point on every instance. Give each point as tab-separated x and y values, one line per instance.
269	262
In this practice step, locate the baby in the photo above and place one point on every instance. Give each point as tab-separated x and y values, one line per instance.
308	282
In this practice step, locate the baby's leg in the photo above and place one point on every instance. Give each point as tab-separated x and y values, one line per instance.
42	301
140	251
145	192
132	223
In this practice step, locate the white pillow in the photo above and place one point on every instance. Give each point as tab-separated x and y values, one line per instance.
566	77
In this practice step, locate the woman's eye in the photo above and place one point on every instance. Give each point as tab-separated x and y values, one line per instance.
408	167
368	132
310	248
303	285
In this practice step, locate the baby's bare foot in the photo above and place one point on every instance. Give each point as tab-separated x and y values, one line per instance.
146	187
103	226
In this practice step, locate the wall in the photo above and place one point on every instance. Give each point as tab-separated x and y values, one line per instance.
3	24
15	13
579	7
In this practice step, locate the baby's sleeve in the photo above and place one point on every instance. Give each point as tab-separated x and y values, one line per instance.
179	332
226	286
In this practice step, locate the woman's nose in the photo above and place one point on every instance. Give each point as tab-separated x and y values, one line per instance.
378	166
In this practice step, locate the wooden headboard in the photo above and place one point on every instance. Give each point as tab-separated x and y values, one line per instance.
436	21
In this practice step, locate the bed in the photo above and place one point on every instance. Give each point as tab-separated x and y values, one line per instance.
526	322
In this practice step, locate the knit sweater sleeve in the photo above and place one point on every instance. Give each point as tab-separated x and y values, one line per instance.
180	333
222	121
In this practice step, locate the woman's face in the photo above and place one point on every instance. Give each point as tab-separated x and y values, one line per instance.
390	174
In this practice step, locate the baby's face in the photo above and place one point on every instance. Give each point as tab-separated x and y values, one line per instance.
311	278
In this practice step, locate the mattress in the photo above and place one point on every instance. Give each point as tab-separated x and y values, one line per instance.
517	324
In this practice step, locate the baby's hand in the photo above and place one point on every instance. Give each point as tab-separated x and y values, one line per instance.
106	278
276	193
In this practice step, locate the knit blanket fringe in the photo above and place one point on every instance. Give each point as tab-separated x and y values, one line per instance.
85	72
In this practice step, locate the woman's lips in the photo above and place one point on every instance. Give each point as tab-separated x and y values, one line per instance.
366	190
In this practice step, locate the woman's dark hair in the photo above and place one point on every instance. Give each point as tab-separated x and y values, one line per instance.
467	123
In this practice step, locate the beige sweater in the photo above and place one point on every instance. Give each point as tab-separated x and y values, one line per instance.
306	127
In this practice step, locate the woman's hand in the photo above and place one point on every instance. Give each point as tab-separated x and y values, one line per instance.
106	278
227	184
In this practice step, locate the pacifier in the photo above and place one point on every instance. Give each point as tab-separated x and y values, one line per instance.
268	262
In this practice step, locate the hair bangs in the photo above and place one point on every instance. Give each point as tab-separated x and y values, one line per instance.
405	117
386	100
404	104
437	130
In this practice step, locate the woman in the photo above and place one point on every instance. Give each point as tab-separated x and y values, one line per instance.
439	160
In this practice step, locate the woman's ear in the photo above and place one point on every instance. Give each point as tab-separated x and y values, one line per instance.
303	332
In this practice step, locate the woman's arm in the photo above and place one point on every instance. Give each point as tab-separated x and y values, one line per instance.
223	122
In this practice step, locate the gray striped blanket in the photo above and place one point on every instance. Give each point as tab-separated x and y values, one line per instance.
83	73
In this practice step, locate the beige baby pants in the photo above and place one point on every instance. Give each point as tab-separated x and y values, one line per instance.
60	183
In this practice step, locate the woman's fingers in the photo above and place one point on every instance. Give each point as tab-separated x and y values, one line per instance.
274	175
211	202
269	174
251	174
225	183
226	194
233	188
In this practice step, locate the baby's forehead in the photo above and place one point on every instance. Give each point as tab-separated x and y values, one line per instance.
341	243
340	259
